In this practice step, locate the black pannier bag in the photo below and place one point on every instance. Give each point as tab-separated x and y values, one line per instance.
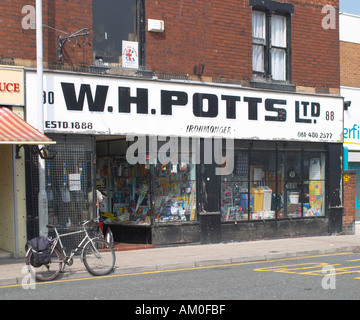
41	251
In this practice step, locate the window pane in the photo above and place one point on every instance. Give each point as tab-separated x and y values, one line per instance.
278	31
234	190
113	22
175	193
314	185
258	59
258	22
278	64
303	184
263	172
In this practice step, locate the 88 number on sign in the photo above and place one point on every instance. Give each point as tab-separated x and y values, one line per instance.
330	116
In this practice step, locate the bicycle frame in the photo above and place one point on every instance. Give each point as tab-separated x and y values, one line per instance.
81	245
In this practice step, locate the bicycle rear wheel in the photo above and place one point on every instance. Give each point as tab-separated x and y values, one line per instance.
48	271
99	257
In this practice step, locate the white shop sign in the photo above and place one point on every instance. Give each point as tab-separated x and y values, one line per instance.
87	104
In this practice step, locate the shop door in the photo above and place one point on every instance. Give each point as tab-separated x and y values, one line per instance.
69	186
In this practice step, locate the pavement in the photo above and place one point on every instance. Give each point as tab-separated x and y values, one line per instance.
150	259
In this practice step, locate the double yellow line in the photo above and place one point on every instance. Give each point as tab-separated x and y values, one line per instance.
174	270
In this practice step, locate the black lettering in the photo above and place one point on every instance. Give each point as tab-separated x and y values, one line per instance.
230	106
297	114
315	109
168	101
305	105
253	107
281	113
77	104
198	105
141	100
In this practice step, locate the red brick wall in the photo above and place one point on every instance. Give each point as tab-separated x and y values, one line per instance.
316	51
67	16
218	34
214	33
349	202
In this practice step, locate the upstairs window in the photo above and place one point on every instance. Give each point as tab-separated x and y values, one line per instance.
115	21
278	49
271	41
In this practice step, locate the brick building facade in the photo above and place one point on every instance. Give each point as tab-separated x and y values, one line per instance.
275	59
214	34
350	89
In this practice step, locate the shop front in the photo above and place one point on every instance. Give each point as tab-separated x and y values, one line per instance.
182	162
15	135
352	139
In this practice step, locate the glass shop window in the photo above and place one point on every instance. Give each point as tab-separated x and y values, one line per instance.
114	21
274	184
125	191
263	184
161	191
235	197
174	192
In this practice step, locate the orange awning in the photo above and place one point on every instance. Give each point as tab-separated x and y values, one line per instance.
14	130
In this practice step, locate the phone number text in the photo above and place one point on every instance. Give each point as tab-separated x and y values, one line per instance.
315	135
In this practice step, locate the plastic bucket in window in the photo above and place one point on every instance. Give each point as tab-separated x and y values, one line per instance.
294	197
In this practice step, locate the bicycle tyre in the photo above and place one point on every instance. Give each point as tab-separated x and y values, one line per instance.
46	272
99	259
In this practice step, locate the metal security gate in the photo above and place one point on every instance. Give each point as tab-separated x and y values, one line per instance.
69	184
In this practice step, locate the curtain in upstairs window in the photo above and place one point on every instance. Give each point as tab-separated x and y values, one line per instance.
278	64
259	41
258	58
278	47
278	31
258	30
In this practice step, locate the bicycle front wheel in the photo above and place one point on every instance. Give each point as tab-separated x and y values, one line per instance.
99	257
46	272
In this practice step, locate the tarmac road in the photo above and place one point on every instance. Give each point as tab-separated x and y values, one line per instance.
300	278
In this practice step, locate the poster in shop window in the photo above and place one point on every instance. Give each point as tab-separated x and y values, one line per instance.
130	56
90	104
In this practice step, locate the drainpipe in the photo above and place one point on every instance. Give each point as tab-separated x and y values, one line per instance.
16	224
42	197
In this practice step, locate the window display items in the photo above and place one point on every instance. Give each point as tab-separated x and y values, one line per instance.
171	197
175	193
127	187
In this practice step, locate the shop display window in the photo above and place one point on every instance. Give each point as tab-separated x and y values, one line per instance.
126	191
175	193
274	184
149	193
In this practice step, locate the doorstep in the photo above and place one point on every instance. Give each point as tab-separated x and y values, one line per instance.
131	246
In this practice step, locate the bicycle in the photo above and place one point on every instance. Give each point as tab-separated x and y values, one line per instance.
97	255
